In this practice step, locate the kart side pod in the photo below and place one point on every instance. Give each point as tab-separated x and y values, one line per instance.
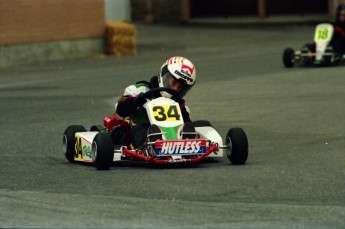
208	132
235	147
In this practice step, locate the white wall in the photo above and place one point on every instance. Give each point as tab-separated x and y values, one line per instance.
117	10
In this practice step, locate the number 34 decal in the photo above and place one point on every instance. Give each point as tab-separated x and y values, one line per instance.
166	113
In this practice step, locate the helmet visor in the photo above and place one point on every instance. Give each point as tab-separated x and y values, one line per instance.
179	85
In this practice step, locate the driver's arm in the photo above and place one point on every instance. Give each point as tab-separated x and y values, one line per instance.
127	105
338	30
131	100
185	114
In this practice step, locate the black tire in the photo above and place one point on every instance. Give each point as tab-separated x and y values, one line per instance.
69	141
102	151
98	128
289	57
237	141
201	123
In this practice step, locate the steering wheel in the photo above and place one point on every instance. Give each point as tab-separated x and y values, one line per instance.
153	93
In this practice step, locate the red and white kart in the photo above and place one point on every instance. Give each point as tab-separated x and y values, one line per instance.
98	146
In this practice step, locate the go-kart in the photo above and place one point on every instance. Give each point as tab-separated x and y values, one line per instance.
319	53
173	141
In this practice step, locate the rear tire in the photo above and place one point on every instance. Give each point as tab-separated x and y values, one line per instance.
201	123
98	128
102	151
69	141
289	57
237	141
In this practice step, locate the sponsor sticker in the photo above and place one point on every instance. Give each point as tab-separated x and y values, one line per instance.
82	149
180	147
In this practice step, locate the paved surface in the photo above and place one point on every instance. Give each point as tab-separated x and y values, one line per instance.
294	119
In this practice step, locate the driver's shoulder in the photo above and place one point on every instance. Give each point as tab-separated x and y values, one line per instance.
137	88
141	86
142	83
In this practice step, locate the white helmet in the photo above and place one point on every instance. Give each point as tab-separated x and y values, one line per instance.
181	69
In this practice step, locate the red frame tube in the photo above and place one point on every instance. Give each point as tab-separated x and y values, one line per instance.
136	154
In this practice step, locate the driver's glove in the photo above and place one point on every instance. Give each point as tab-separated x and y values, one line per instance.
140	99
148	95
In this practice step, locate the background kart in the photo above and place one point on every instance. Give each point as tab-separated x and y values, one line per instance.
169	139
321	54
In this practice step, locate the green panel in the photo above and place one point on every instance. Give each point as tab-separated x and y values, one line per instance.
171	132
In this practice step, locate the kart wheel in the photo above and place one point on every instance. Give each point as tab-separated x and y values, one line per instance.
69	141
201	123
102	151
237	141
289	57
98	128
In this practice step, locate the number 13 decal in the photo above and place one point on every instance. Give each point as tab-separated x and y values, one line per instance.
166	113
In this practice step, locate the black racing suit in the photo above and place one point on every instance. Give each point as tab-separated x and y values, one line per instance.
131	105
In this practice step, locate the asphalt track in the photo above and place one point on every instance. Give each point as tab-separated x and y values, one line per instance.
294	119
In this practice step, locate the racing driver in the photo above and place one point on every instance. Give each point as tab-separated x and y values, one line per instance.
177	73
338	39
339	29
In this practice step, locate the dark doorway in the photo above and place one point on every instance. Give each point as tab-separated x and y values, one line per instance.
222	8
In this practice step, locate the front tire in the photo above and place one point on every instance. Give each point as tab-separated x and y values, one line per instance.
237	141
289	57
69	141
102	151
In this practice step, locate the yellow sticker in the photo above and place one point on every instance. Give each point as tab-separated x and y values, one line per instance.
322	34
166	113
78	153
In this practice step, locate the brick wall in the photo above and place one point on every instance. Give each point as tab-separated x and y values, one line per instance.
32	21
